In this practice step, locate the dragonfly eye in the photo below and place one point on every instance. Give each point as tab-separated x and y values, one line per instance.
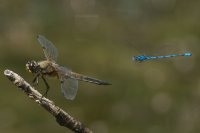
32	66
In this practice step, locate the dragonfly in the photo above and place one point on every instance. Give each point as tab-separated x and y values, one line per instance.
141	58
49	68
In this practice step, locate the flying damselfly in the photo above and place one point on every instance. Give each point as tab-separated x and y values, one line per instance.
141	58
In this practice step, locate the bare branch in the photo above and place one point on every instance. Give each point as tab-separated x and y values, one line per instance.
62	117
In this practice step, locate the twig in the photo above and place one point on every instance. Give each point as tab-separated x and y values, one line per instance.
62	117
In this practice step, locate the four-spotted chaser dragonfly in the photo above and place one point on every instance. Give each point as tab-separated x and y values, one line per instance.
49	67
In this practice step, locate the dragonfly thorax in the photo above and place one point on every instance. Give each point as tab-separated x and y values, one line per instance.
33	67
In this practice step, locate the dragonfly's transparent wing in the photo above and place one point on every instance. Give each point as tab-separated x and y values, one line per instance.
69	88
49	49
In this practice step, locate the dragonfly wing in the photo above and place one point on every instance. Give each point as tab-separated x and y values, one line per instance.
49	49
69	88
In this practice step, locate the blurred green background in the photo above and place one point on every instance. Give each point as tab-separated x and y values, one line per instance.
98	38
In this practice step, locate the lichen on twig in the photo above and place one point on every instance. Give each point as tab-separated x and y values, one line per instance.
62	117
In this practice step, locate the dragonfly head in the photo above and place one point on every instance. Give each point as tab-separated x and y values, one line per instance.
32	66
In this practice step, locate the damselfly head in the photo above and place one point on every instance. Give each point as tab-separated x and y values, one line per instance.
139	58
32	66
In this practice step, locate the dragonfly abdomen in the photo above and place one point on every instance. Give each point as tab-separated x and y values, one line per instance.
87	79
95	81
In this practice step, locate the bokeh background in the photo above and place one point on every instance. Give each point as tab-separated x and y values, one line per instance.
98	38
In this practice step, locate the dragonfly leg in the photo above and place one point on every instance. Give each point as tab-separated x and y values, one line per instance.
36	80
47	87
